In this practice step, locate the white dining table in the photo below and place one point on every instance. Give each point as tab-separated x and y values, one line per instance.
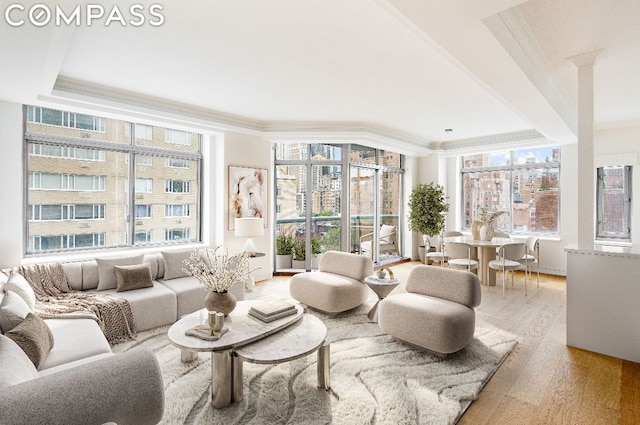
486	251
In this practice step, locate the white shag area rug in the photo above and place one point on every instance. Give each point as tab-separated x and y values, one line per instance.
374	379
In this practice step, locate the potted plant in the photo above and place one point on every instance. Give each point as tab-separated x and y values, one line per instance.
427	208
284	250
299	253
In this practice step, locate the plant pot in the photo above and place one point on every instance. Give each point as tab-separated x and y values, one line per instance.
315	261
421	253
298	264
283	261
222	302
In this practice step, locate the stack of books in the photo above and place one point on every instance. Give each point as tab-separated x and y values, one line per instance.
271	310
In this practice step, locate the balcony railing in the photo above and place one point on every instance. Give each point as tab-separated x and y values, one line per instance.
359	225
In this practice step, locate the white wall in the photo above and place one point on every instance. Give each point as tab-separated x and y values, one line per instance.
11	186
249	151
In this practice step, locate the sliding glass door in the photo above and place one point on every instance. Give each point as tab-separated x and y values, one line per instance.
322	189
310	174
375	193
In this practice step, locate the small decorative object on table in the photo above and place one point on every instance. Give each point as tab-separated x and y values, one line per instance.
212	331
218	273
382	274
488	219
270	310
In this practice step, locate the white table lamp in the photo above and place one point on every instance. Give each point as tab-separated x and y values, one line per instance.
249	227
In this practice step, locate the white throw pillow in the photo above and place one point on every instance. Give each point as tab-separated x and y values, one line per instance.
3	281
386	233
15	366
13	310
18	284
106	272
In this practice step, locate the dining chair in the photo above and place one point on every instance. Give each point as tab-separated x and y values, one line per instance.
532	256
439	256
499	234
510	255
459	256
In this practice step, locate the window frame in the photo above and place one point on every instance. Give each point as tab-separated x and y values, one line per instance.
511	168
71	144
601	233
67	119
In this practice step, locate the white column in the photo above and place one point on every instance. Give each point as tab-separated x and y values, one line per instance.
586	169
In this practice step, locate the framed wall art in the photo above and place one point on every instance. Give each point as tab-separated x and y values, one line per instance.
247	193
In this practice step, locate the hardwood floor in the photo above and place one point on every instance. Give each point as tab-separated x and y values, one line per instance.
543	381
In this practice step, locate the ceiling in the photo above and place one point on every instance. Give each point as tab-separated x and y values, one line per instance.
392	70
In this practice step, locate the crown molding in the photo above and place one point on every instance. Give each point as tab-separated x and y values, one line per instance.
80	94
98	95
352	132
586	59
517	139
615	125
512	31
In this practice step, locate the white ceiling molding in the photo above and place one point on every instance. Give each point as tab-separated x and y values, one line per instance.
617	125
512	31
506	141
79	95
347	132
106	98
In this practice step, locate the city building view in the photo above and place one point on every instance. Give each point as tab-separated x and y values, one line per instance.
310	181
79	186
522	183
613	219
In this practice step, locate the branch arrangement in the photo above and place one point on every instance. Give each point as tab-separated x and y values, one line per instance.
217	272
488	218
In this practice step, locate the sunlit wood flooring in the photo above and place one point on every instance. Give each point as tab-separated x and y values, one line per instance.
543	381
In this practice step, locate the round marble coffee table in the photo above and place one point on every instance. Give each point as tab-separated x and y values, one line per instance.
382	288
249	339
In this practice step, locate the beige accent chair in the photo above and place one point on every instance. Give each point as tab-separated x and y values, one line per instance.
337	286
437	312
388	241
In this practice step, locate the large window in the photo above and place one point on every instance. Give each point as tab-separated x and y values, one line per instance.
522	182
80	172
328	196
614	203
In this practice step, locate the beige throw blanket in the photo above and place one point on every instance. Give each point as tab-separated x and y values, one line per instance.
56	300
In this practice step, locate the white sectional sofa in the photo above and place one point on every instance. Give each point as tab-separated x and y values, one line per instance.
81	381
162	304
